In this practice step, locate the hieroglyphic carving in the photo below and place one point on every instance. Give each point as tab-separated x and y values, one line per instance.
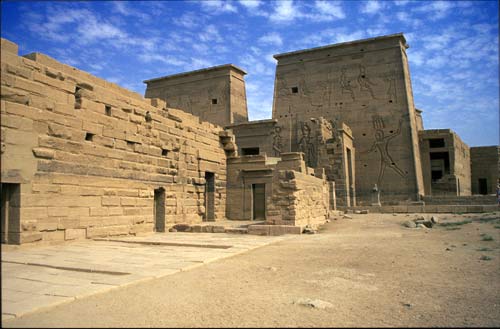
365	84
381	145
306	93
345	84
390	79
277	141
335	130
307	145
284	92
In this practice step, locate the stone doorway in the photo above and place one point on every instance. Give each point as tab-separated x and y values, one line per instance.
483	186
159	209
10	212
259	201
209	196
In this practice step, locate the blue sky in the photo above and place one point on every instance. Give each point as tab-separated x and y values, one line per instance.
453	45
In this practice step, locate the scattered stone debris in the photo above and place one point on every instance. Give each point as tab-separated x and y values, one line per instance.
347	216
410	224
315	303
172	229
407	305
182	227
308	230
435	220
420	222
364	212
357	211
272	269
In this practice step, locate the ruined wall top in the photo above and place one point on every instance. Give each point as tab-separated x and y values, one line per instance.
206	71
379	41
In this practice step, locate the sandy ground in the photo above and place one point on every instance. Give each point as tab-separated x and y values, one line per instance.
373	271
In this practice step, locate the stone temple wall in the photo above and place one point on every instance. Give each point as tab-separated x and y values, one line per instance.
365	84
485	169
216	94
299	198
83	156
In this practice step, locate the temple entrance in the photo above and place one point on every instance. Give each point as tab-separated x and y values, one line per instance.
209	196
259	201
483	186
159	210
10	214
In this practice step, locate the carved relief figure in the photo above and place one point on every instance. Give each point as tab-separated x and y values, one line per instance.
277	141
306	145
381	145
364	82
306	93
390	80
284	92
345	84
335	133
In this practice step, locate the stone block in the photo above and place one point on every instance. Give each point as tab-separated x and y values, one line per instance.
27	237
75	234
57	235
44	153
218	229
196	228
110	201
258	229
8	46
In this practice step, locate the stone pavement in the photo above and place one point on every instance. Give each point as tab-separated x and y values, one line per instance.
39	277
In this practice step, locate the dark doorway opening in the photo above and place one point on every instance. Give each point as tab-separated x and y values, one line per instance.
440	165
159	210
259	201
10	212
250	151
483	186
209	196
349	183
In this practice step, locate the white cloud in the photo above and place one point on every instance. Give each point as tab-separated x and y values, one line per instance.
372	7
218	7
329	10
122	8
154	58
272	38
285	11
401	2
436	9
250	4
188	20
210	33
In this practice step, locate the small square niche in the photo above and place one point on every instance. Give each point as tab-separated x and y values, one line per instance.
107	110
295	90
214	100
89	137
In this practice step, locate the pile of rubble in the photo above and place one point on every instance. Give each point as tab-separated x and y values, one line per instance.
421	222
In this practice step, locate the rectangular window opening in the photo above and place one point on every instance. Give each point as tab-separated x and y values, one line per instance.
164	152
250	151
214	100
295	90
78	98
108	110
89	137
437	142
